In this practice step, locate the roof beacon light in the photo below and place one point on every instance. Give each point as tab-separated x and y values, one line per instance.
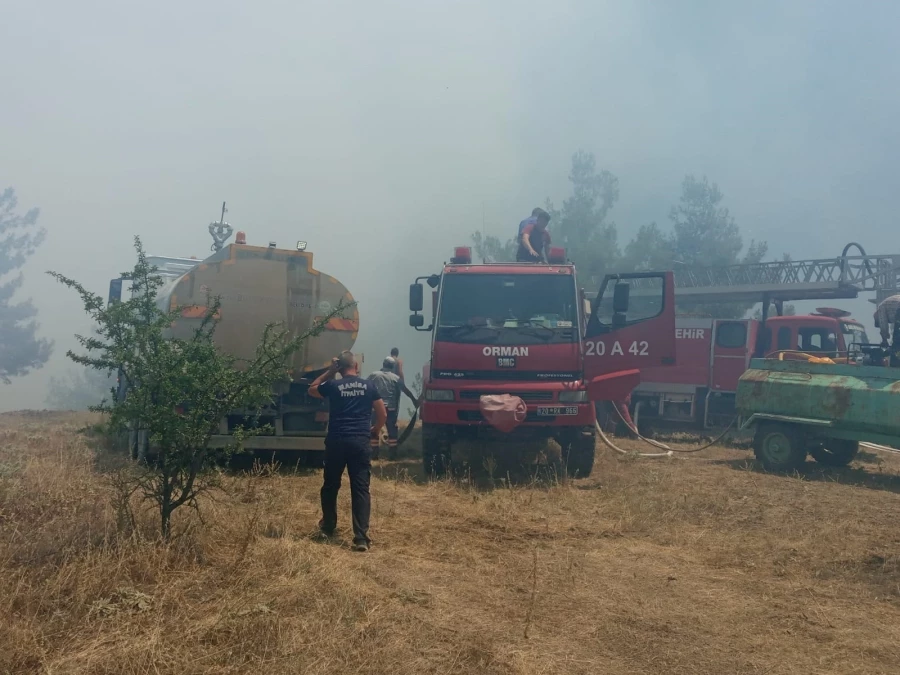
833	312
556	255
272	244
240	238
462	255
301	245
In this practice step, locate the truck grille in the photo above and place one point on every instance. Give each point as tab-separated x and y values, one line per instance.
476	416
469	394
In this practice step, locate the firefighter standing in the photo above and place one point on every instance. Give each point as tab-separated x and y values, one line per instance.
395	354
389	386
352	401
887	320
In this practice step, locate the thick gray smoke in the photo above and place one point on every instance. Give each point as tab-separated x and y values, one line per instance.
385	133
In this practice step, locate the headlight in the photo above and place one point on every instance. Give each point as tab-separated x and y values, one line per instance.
573	396
439	395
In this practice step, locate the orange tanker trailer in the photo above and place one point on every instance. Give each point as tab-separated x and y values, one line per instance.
259	285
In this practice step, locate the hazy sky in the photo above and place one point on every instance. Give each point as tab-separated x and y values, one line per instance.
380	132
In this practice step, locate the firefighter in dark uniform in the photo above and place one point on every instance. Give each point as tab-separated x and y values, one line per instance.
350	425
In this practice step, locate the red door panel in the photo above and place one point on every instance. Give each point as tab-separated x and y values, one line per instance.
731	340
643	336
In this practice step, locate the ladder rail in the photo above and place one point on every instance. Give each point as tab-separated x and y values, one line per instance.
843	277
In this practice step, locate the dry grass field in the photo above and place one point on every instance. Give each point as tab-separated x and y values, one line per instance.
697	565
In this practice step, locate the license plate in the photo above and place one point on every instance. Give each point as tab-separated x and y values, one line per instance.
552	410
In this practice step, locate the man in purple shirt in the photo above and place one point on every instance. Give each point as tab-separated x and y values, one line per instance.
533	239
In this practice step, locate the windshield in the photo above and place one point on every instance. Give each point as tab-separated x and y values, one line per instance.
853	332
508	309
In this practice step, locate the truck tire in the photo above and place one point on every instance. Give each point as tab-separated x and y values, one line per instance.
834	452
578	454
779	447
435	450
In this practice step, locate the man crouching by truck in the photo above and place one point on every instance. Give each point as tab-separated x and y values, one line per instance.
351	401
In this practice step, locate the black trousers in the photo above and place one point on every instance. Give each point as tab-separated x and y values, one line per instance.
353	453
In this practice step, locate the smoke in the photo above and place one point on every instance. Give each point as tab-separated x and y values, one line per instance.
385	133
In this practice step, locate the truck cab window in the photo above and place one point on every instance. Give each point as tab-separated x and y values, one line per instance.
817	340
645	301
508	309
731	335
853	333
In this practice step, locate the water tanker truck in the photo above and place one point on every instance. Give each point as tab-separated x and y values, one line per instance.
800	407
256	286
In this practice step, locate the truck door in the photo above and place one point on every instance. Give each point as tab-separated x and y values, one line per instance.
632	325
729	354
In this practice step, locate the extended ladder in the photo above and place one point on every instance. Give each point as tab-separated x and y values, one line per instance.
843	277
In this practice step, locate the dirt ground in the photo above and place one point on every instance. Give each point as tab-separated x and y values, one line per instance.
701	564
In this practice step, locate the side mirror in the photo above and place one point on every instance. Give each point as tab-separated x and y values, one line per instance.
416	320
416	298
620	297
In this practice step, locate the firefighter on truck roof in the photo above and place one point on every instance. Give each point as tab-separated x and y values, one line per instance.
533	238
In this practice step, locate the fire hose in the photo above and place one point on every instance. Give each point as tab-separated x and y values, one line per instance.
412	422
669	451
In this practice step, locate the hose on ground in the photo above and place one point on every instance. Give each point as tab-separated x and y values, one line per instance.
669	451
613	446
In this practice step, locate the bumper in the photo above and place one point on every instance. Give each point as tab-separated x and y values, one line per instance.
457	413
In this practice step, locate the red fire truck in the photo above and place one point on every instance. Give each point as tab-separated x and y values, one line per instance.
527	330
711	354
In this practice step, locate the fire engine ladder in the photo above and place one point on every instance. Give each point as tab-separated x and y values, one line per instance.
777	282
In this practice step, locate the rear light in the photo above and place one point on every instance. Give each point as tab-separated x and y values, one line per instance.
573	396
439	395
556	255
462	255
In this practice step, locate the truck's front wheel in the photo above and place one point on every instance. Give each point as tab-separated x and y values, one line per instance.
779	447
578	453
834	452
435	450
